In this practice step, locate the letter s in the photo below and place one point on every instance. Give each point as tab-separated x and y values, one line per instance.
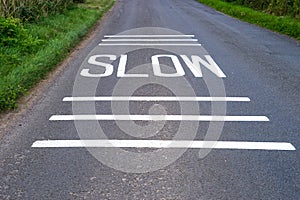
108	67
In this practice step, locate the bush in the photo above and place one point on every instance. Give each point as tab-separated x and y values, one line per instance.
9	96
15	43
11	31
14	34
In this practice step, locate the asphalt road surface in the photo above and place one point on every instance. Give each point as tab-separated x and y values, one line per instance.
177	137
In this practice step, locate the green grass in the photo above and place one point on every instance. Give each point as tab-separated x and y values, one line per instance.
281	24
22	68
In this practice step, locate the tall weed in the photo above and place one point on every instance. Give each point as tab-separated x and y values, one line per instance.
31	10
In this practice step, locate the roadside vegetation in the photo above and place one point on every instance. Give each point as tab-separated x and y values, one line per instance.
282	16
35	35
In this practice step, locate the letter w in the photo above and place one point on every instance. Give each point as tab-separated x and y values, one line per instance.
194	65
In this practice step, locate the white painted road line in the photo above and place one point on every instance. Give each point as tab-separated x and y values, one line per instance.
160	118
146	44
145	36
156	98
277	146
149	40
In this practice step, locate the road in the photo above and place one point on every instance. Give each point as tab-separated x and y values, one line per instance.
254	145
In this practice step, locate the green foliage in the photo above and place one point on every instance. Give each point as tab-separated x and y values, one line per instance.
21	68
14	34
8	96
32	10
11	31
15	42
277	7
281	24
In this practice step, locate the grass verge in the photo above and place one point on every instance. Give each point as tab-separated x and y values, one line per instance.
281	24
21	69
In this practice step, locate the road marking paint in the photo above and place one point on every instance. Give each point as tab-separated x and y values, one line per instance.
149	40
278	146
160	118
156	98
145	36
146	44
